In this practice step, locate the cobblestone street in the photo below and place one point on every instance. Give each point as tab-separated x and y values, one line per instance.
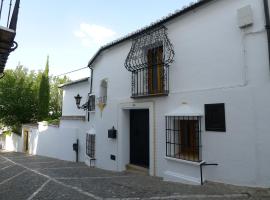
26	177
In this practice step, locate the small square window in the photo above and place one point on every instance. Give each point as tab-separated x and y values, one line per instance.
215	117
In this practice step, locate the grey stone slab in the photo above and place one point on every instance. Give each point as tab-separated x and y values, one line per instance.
4	164
76	181
142	187
79	173
54	191
40	166
21	187
10	172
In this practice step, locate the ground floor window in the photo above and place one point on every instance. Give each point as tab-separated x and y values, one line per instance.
90	145
183	138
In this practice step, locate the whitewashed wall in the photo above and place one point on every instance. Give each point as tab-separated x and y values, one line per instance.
215	62
69	106
13	142
56	142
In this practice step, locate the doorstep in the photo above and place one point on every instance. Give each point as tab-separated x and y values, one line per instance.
137	169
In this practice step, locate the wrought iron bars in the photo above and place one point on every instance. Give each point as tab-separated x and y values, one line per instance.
7	35
137	57
145	83
183	137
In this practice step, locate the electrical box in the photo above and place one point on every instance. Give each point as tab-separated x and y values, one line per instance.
113	157
112	133
245	16
75	147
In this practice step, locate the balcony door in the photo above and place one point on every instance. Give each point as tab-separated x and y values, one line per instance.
155	70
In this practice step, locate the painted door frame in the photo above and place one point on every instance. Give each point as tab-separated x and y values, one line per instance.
124	132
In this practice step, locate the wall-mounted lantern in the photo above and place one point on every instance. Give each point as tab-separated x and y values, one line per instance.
89	105
78	101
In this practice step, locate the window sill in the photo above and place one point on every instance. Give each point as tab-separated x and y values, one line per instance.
185	161
134	96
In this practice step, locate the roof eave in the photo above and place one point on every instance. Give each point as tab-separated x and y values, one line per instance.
154	25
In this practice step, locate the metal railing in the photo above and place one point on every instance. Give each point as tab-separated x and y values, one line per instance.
6	8
150	81
8	33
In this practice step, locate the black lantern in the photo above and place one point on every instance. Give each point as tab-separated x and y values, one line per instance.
78	100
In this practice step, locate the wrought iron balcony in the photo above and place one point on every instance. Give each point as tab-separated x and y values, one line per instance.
150	81
8	31
149	59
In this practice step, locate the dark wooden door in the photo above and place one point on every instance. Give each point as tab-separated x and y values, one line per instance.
26	141
139	137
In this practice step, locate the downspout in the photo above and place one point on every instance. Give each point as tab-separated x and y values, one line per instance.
91	90
267	26
91	80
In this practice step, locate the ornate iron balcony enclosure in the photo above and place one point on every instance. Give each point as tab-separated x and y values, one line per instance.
148	60
8	33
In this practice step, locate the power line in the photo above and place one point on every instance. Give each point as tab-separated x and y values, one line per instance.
71	71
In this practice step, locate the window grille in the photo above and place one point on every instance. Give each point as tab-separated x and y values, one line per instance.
148	60
154	79
92	103
183	137
90	145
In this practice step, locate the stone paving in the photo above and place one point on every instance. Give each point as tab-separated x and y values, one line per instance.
26	177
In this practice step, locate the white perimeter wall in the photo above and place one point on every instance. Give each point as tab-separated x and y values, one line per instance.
57	142
13	142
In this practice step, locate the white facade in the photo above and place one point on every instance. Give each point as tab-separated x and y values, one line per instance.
69	107
215	61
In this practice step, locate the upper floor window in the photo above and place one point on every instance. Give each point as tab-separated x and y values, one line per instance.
148	60
155	71
103	91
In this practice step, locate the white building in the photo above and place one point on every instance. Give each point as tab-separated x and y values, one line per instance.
195	91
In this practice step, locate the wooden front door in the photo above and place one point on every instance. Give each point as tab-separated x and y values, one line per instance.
139	137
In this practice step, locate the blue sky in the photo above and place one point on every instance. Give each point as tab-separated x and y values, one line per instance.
71	31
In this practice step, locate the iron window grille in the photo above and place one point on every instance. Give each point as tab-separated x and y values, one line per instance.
183	137
90	145
92	103
148	60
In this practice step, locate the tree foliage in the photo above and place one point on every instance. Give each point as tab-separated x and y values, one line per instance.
56	96
20	95
44	94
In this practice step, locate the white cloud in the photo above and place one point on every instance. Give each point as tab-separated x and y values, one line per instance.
94	35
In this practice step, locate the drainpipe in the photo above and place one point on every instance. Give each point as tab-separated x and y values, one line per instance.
91	78
91	89
267	25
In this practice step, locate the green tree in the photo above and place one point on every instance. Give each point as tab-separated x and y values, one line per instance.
18	98
44	94
56	96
